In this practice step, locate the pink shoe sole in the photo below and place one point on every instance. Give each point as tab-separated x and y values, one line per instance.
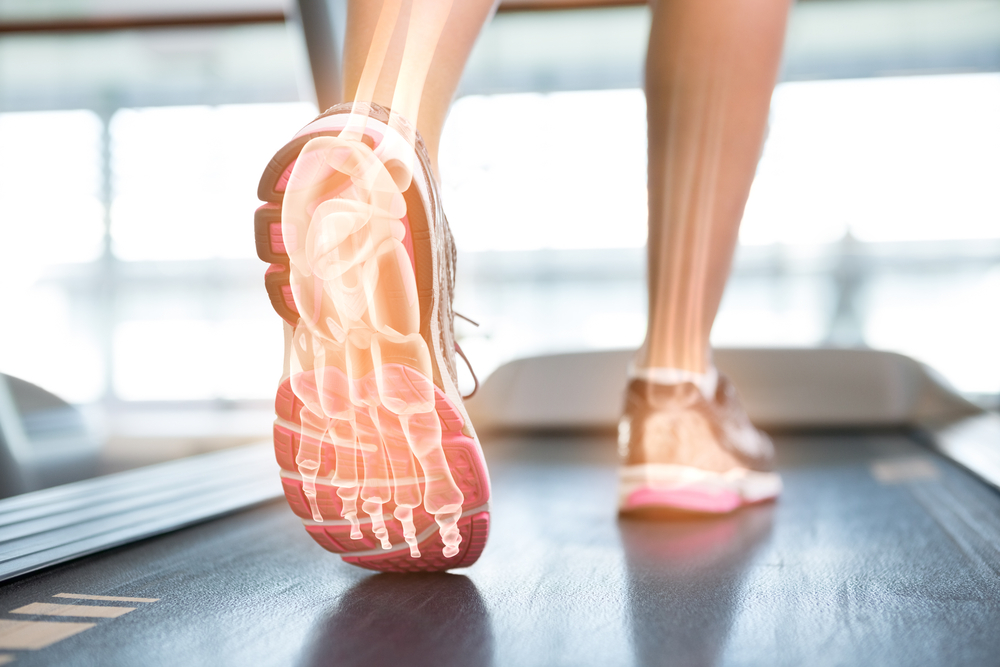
687	500
679	488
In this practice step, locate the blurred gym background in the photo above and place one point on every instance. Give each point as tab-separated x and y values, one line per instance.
132	135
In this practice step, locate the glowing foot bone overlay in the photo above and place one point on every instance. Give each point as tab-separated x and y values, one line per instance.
359	365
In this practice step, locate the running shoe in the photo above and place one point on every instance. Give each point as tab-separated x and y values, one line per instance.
682	453
377	453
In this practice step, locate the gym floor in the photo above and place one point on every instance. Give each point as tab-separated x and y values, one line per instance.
879	552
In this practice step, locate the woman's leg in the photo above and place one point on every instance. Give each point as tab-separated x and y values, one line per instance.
371	397
710	71
685	442
409	56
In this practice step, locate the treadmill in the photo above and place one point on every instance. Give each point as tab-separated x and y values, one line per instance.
883	549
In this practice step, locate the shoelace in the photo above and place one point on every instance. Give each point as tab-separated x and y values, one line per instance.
458	348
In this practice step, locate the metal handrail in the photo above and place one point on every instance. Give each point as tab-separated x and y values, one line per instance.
137	22
200	19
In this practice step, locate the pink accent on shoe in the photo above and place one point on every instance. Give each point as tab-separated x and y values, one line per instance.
451	418
277	241
286	291
689	499
287	406
282	182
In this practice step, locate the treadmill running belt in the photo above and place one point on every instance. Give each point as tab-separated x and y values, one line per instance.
879	552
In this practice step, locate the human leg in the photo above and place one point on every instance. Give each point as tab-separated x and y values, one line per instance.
710	71
370	421
418	76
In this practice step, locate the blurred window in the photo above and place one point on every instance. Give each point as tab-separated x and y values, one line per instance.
130	161
873	220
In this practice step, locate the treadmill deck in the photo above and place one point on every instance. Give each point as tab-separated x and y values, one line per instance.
878	552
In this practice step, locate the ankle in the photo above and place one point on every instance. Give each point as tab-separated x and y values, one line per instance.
706	382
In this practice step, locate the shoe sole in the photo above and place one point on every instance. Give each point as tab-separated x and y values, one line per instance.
327	509
688	489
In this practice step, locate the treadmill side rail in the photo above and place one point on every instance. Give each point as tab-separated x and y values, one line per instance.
62	523
973	443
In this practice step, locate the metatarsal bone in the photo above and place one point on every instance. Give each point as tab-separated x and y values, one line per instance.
331	381
376	468
346	448
334	392
405	476
402	374
360	371
301	366
318	374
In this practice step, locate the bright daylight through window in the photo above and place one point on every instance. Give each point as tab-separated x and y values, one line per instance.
896	187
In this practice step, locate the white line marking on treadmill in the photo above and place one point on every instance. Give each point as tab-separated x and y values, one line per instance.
82	610
108	598
903	469
33	635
